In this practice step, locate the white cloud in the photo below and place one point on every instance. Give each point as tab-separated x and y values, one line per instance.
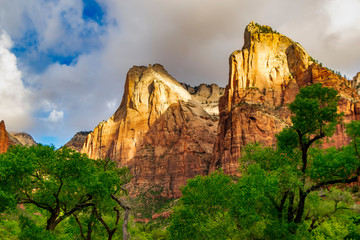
55	116
15	103
192	39
343	14
111	105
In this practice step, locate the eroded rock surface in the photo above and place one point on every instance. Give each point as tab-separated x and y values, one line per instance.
159	131
77	141
265	76
22	138
356	81
208	96
5	140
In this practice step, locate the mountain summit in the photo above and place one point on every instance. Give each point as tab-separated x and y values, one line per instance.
166	135
265	76
159	131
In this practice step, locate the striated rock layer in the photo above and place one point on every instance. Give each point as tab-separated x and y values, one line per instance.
5	140
265	76
159	131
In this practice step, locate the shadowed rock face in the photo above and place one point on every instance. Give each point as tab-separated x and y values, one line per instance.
77	141
265	76
208	96
5	140
159	131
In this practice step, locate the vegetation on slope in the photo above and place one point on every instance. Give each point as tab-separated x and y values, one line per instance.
294	190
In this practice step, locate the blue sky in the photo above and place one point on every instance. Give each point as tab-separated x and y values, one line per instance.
63	63
27	45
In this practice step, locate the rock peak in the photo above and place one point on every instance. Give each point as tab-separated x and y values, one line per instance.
264	77
256	32
267	59
147	87
159	131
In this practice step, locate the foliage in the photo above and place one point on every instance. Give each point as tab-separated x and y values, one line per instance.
265	29
150	201
353	131
59	184
288	191
204	209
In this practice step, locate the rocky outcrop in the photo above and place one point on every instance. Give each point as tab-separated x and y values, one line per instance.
265	76
77	141
22	139
5	140
356	81
159	131
208	96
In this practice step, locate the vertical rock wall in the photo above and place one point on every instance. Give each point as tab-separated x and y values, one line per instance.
264	77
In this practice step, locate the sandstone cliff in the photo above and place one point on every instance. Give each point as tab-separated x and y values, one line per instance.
356	81
22	138
208	96
5	140
265	76
159	131
77	141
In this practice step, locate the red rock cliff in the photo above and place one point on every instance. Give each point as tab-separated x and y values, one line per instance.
159	131
5	140
265	76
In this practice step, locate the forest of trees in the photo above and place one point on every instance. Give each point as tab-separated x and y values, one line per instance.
294	190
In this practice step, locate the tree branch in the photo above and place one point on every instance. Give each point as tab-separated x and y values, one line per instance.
117	215
317	137
39	205
126	215
330	182
102	222
80	226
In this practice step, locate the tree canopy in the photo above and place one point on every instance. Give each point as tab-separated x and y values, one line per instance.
59	183
286	191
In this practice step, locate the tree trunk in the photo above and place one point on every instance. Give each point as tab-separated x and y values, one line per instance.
301	207
51	222
125	224
290	214
126	216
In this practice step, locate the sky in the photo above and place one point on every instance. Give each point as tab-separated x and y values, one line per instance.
63	63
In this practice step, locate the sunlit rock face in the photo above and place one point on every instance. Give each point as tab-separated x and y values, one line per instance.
14	138
22	138
264	77
5	140
356	81
159	131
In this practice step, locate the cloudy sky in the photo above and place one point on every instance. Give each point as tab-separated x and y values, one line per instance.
63	62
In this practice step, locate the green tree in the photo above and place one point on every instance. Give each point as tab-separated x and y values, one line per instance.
284	191
106	210
59	183
203	212
314	117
